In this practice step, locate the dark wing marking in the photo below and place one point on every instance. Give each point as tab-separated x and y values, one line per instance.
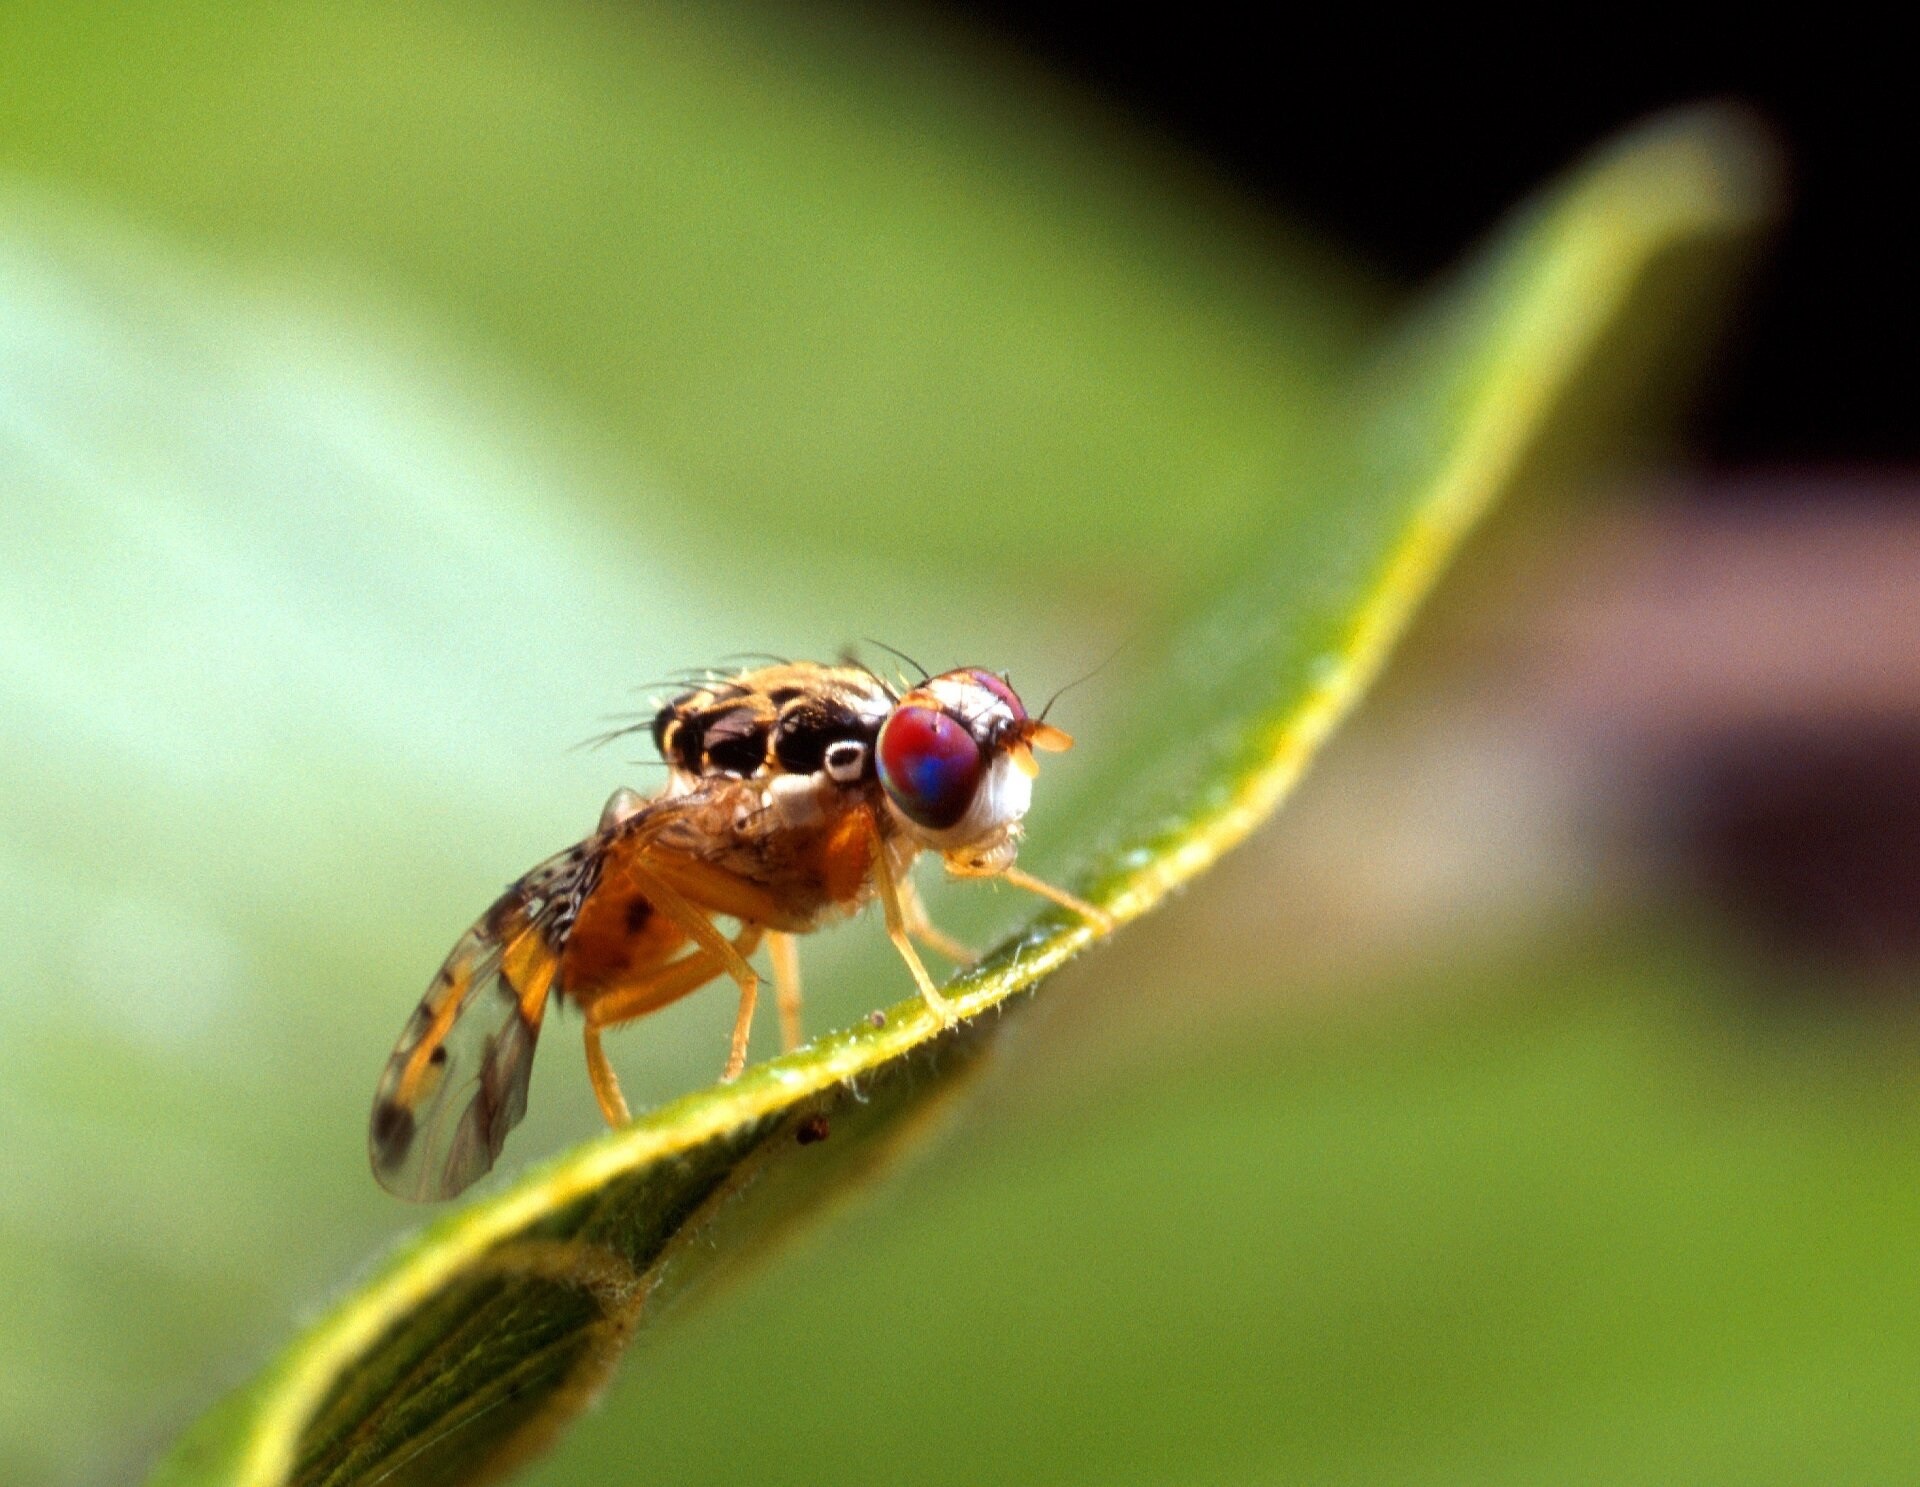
457	1080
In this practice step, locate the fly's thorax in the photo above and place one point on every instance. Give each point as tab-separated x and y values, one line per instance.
792	719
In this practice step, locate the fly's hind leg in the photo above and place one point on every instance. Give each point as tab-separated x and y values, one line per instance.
668	898
668	984
913	914
664	986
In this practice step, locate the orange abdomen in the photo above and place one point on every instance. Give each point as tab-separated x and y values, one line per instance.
619	934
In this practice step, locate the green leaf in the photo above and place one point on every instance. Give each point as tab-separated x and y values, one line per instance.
476	1342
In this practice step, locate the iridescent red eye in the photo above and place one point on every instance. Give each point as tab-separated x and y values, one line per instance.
930	765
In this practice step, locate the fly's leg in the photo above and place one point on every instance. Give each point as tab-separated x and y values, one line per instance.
669	899
785	954
913	914
883	878
1100	919
636	999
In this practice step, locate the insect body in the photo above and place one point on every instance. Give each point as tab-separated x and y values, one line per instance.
795	794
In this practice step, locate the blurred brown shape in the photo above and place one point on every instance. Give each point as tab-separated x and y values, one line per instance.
1752	663
1773	598
1809	829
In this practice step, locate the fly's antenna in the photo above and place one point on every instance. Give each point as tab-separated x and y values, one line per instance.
1112	656
891	650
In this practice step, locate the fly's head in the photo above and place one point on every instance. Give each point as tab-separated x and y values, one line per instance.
955	761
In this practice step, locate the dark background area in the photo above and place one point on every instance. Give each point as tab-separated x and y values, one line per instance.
1405	150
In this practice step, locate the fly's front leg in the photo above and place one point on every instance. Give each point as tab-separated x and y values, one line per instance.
1100	919
913	913
883	877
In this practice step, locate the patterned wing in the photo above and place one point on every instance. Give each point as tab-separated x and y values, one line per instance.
457	1080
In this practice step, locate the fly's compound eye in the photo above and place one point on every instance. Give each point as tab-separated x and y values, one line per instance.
845	761
930	766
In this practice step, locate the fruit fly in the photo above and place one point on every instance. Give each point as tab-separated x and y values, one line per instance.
795	794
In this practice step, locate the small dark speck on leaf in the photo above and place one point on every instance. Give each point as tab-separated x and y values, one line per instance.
813	1128
876	1018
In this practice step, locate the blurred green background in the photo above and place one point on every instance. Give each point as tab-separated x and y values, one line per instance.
386	395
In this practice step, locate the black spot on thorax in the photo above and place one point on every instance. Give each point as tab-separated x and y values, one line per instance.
735	741
808	726
677	734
